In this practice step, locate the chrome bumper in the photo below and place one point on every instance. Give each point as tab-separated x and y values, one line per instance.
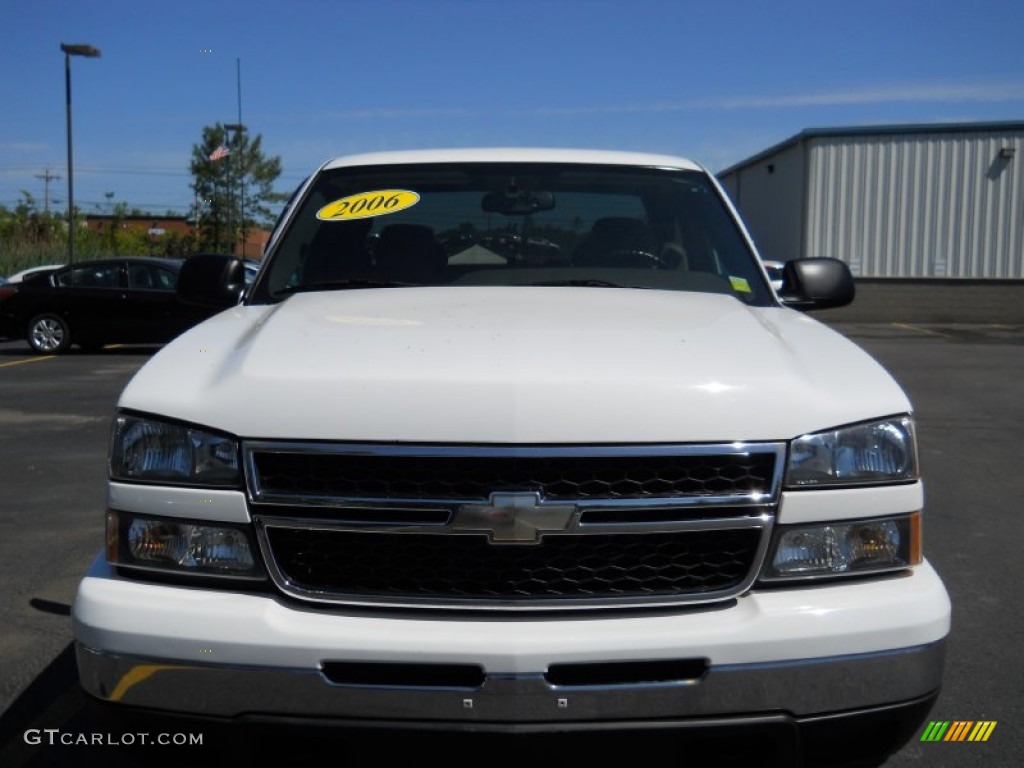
800	689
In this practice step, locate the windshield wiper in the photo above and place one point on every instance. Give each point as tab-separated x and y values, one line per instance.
332	285
589	283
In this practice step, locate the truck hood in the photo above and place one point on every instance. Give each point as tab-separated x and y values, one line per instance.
506	365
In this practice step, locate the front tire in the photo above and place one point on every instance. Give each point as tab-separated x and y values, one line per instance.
48	334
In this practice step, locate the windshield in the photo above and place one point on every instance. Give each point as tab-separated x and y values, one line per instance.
512	224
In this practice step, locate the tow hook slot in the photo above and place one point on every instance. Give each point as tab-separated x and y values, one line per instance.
387	675
606	673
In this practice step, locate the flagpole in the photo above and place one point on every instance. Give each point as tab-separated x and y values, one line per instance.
241	167
230	194
238	129
238	77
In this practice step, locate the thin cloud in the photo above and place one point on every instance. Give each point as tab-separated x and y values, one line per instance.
371	113
391	114
938	94
23	146
942	93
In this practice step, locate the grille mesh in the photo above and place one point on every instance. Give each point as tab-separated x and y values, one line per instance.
283	474
467	566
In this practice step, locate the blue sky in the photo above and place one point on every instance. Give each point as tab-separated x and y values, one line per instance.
716	80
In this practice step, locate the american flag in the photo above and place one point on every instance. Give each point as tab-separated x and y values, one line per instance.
220	153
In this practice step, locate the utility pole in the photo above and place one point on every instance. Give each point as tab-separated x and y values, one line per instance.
47	178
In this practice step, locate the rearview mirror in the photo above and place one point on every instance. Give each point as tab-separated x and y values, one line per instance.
518	203
816	283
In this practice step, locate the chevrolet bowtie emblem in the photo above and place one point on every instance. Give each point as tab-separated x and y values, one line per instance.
514	518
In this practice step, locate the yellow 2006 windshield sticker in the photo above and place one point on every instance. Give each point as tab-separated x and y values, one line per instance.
739	284
378	202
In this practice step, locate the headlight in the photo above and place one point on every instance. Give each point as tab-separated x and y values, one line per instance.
158	451
831	549
180	546
877	452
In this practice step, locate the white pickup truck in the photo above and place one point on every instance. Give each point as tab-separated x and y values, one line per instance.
517	440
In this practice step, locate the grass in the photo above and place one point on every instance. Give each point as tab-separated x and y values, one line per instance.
15	257
18	255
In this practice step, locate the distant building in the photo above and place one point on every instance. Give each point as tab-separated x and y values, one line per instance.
153	225
157	227
901	201
255	241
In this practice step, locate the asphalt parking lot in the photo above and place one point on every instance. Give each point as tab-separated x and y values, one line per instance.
965	382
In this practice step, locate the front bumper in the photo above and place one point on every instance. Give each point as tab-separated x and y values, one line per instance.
803	652
525	703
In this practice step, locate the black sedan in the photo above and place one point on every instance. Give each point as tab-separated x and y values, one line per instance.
126	300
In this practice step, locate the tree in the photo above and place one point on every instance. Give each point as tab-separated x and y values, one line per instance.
235	192
31	224
116	213
29	236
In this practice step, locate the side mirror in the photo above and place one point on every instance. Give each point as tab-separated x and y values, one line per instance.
214	280
817	283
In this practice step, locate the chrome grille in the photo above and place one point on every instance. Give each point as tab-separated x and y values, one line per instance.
513	527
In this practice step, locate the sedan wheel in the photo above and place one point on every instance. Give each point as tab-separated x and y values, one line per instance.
48	334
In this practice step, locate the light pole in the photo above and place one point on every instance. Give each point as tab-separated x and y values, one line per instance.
237	128
89	51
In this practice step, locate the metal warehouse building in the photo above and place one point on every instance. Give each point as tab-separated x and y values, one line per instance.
940	204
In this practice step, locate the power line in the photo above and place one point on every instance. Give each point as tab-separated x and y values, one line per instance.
110	169
182	206
138	171
132	171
